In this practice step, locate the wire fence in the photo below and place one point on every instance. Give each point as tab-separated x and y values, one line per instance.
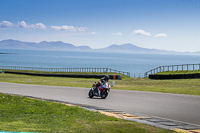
137	75
183	67
101	70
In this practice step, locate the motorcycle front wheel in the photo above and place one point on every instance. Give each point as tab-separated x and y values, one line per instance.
104	94
91	94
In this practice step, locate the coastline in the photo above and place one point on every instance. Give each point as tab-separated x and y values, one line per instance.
6	53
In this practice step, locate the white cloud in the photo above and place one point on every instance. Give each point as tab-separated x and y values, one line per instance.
5	24
141	32
38	26
23	24
69	28
161	35
94	33
64	27
117	34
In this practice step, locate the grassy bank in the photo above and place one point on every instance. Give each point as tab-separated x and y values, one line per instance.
30	115
178	86
99	73
180	72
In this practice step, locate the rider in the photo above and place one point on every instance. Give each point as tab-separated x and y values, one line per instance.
101	82
104	79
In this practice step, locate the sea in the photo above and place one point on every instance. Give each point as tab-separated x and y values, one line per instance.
136	64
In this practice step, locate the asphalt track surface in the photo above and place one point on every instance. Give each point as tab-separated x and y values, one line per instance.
184	108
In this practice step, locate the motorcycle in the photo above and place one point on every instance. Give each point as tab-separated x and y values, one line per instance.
99	90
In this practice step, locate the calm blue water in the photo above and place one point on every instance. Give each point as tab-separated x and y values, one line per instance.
133	63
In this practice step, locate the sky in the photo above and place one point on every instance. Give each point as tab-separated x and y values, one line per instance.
156	24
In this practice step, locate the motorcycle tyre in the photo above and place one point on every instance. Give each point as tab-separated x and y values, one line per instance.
91	94
104	95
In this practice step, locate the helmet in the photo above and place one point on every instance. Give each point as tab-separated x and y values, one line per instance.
106	77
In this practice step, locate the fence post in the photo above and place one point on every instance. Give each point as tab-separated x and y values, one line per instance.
193	67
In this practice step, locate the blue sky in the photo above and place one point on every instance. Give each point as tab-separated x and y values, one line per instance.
160	24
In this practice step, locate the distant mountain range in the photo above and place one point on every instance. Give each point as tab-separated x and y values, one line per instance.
124	48
14	44
130	48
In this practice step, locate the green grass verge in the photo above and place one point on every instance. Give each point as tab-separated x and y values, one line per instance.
30	115
100	73
180	72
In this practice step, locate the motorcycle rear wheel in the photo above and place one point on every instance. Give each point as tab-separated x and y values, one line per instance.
91	94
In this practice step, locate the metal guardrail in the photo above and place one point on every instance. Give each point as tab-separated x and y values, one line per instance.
183	67
137	75
102	70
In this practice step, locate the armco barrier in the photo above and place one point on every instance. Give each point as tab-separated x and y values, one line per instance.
99	70
174	76
183	67
117	77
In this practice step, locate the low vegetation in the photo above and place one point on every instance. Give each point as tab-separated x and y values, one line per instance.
30	115
30	71
180	72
